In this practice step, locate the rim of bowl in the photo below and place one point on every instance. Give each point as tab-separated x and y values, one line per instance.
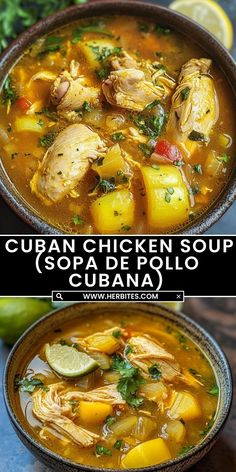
196	332
64	17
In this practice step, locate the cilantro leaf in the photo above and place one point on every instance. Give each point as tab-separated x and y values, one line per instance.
155	371
130	381
27	384
102	451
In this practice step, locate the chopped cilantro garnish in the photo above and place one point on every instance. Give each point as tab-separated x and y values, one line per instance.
130	380
154	371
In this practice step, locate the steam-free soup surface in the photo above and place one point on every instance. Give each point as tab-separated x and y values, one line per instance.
117	125
151	395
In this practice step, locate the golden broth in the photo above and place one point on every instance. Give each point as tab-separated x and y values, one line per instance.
201	386
21	151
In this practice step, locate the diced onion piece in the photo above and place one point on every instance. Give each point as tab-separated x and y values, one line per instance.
4	138
124	426
146	454
114	122
213	166
176	431
144	428
155	391
225	140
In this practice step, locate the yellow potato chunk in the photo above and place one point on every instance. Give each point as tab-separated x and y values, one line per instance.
113	212
28	123
184	406
104	342
94	412
167	196
146	454
92	48
112	164
176	431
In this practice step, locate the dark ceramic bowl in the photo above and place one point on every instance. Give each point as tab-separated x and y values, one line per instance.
50	322
163	16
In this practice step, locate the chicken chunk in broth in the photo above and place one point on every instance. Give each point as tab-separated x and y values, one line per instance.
116	125
117	391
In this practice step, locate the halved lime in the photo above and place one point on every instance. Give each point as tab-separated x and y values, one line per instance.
69	362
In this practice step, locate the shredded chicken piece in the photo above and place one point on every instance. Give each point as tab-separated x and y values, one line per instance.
130	89
49	408
146	352
160	77
107	394
124	61
66	162
194	105
44	75
69	92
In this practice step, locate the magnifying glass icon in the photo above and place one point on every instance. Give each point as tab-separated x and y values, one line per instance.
59	296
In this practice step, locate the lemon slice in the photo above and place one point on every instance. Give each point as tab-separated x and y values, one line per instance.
210	15
69	362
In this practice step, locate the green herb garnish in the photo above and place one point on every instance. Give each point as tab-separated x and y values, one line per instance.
162	30
147	151
152	105
154	371
17	15
28	384
223	158
198	168
102	73
77	220
51	44
118	444
48	113
208	427
196	136
130	381
47	140
214	391
106	185
118	136
93	27
185	93
9	94
184	450
116	333
102	451
110	420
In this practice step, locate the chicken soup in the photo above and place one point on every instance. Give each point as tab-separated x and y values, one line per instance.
117	125
117	391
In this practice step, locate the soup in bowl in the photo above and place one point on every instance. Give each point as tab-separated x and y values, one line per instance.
118	388
117	124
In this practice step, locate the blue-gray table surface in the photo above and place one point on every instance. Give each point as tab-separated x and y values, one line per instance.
11	224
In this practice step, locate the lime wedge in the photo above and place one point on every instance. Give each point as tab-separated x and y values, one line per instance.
69	362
